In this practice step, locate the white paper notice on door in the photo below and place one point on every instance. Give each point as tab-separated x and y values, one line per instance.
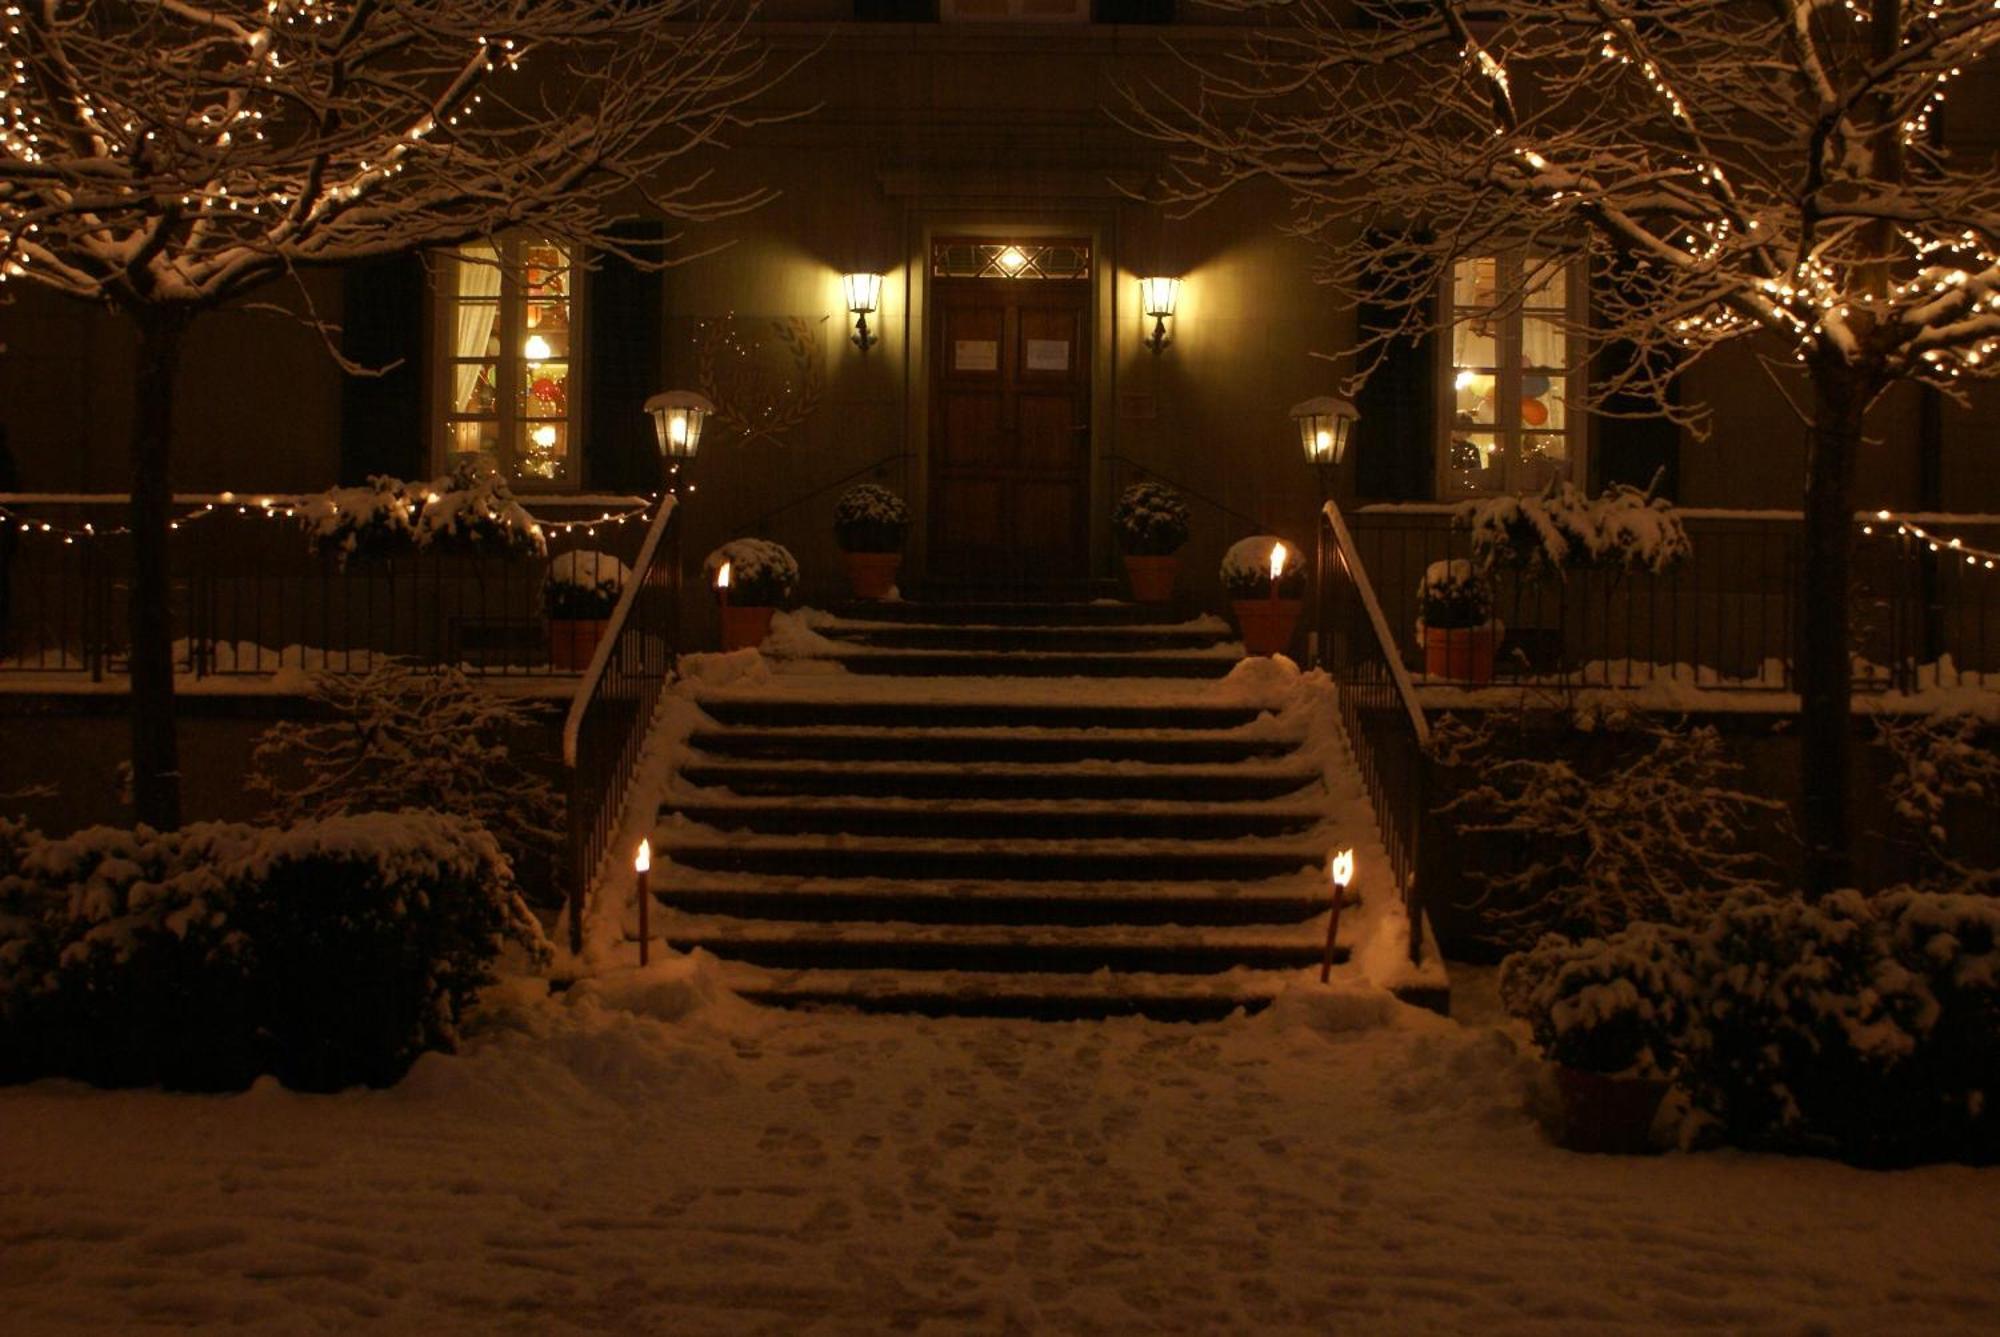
975	355
1048	355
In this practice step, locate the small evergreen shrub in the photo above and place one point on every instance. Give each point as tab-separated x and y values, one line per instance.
584	584
870	518
1452	596
1246	569
1151	520
328	953
1617	1005
760	572
1560	528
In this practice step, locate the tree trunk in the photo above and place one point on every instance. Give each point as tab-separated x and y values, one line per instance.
1823	668
156	777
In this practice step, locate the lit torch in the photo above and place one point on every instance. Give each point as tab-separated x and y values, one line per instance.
1340	868
722	584
1277	566
642	864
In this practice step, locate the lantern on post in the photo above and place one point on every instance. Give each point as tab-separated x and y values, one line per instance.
1325	422
677	417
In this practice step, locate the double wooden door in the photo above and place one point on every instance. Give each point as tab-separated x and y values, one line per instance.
1010	430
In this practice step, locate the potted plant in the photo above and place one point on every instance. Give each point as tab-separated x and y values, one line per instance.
1612	1014
582	588
375	522
1455	622
750	577
1151	520
1266	580
870	523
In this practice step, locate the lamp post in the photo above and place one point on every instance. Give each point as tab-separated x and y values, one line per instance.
1325	423
677	418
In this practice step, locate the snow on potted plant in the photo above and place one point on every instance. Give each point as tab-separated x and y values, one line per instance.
870	523
1612	1015
1151	520
582	588
750	577
374	522
1266	580
1455	622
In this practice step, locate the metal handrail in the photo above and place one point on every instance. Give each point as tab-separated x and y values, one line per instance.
1385	639
1113	457
757	523
613	706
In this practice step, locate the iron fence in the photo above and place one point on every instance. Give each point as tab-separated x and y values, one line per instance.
251	594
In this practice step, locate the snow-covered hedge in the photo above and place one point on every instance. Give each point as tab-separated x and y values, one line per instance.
760	572
1560	528
1152	520
1453	595
1246	569
470	509
870	518
584	583
329	953
1616	1005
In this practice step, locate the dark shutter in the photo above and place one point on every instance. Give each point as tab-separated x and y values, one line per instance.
1395	439
896	11
623	306
382	325
1633	450
1132	11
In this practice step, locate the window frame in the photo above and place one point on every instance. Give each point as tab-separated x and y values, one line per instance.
1570	380
510	370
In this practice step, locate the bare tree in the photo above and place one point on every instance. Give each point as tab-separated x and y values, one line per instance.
1761	170
167	157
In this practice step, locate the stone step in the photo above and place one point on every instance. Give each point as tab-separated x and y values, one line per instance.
1286	900
1036	861
976	746
990	664
917	713
1020	949
1214	784
1104	613
1036	821
998	639
1058	997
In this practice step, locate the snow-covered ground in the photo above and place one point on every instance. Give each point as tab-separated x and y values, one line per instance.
645	1155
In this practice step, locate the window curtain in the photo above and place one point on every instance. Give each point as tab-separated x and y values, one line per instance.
478	307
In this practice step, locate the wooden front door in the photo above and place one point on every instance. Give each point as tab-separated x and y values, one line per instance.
1010	430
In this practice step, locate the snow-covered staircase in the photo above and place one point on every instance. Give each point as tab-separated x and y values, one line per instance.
997	839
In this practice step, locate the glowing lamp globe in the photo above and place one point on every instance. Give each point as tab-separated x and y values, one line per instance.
1325	423
677	417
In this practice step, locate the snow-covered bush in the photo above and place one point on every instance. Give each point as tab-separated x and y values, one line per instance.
366	522
1616	1005
760	572
1853	1027
398	738
1946	769
1453	595
1152	521
1559	528
470	509
870	518
1246	569
1581	825
584	584
329	953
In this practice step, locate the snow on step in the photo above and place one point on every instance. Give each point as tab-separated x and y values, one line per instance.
1167	997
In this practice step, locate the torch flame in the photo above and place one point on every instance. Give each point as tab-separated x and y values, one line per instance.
643	860
1343	868
722	577
1277	560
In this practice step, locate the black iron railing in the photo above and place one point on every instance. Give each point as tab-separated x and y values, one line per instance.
1724	619
1385	723
614	704
250	595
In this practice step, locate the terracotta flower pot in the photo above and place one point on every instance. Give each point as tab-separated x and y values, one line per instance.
572	641
1608	1114
872	575
1152	578
1267	624
744	627
1461	654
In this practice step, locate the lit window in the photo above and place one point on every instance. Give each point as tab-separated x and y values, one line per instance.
506	328
1508	390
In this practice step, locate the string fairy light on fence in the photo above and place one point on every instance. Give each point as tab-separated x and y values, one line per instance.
1983	558
270	507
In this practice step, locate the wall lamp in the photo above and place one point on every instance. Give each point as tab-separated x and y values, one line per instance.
864	294
1158	296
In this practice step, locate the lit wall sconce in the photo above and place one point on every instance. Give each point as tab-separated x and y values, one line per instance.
1157	296
864	294
677	417
1325	423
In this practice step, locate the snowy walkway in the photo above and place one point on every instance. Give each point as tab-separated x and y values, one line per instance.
587	1168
